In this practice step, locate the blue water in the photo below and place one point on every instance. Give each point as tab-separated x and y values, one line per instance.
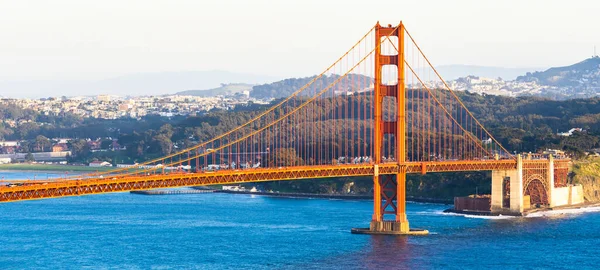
225	231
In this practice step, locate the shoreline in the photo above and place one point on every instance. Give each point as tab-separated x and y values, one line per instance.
326	196
527	212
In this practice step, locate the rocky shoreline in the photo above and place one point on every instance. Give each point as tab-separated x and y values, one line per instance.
526	213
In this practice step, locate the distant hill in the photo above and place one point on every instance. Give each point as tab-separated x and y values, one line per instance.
453	72
158	83
584	73
224	89
580	80
284	88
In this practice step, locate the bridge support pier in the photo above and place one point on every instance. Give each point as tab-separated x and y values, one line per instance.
550	177
507	190
389	199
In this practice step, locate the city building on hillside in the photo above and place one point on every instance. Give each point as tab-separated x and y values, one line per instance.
554	152
116	146
59	147
570	132
9	143
8	149
94	145
61	140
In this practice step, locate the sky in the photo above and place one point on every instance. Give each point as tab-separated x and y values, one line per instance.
90	40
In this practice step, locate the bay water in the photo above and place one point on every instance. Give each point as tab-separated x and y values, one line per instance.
230	231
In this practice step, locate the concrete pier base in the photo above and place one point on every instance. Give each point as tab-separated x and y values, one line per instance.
515	179
389	227
409	232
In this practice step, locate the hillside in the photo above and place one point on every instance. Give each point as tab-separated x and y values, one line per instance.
521	124
575	81
580	80
587	173
224	89
576	75
284	88
453	72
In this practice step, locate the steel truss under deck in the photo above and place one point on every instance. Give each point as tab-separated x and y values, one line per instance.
121	184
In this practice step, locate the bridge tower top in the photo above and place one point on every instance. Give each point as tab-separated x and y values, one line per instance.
394	89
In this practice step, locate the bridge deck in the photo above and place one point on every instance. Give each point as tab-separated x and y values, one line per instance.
106	184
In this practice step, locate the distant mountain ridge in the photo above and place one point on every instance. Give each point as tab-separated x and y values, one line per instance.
352	83
224	89
580	80
453	72
575	75
138	84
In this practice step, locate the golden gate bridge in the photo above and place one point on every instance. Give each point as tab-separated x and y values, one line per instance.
380	110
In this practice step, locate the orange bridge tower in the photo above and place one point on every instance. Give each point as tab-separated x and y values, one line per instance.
389	190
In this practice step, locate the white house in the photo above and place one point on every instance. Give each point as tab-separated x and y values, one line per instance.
9	143
233	188
570	132
100	164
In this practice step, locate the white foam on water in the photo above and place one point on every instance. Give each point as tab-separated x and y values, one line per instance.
428	213
477	216
490	217
562	212
426	203
545	213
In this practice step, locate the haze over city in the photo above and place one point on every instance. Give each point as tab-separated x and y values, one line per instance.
74	46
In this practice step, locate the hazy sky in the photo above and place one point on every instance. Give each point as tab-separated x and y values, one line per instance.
76	39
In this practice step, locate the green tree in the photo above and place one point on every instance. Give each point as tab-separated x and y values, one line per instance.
42	143
5	132
106	144
79	149
28	130
166	130
29	157
163	144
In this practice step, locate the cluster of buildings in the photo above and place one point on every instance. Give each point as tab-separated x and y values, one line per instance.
12	151
582	85
62	145
499	87
113	107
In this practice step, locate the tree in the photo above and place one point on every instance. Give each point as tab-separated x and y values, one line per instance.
27	130
42	143
29	157
79	149
163	144
137	149
5	132
166	130
106	144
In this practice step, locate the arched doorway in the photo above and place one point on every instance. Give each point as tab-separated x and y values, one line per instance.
537	193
